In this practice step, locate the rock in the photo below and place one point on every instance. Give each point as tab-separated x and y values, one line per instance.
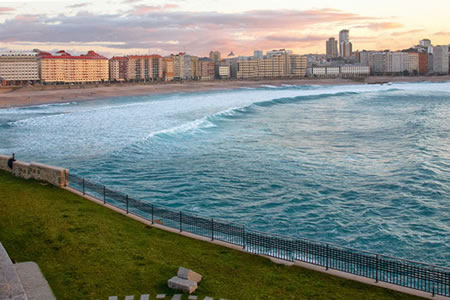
177	283
189	274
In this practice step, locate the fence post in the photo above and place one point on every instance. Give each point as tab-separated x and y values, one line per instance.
212	229
432	282
181	217
104	195
243	236
84	191
127	203
152	214
326	268
376	270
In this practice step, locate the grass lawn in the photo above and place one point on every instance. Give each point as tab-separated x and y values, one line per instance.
87	251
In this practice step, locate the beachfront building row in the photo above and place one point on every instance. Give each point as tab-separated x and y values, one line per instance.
276	64
154	67
20	68
407	62
345	71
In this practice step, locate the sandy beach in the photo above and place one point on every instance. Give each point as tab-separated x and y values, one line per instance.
27	96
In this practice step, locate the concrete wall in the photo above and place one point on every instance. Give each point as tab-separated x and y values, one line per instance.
51	174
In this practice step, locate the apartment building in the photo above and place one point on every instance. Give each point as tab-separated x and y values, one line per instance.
223	70
354	71
206	69
195	67
423	63
168	68
215	56
440	60
247	69
17	68
413	62
182	66
345	46
63	67
118	68
277	64
332	48
396	62
145	67
297	65
324	72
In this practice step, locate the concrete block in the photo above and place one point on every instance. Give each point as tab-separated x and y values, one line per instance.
177	297
33	281
145	297
160	296
10	284
129	297
177	283
189	274
21	169
192	297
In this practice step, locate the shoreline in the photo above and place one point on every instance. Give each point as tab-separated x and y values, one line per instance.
30	96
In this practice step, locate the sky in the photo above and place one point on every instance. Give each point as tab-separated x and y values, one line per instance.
123	27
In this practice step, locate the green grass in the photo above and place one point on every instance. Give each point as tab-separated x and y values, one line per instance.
87	251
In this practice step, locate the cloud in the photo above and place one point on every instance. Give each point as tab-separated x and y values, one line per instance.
145	9
26	18
445	33
78	5
378	26
6	10
401	33
157	27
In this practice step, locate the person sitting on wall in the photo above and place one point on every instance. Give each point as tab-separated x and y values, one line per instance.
11	161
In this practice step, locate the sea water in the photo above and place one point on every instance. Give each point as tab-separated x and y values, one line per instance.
363	166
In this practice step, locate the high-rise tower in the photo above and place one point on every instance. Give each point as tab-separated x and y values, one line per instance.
345	46
332	50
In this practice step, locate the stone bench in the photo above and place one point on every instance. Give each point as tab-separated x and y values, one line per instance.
184	285
186	280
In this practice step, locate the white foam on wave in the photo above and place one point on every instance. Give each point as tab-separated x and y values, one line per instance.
195	126
269	86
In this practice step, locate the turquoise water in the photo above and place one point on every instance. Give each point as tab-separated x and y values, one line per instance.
363	166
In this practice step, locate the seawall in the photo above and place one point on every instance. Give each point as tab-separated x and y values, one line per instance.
54	175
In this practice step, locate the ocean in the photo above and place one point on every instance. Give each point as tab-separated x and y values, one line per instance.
363	166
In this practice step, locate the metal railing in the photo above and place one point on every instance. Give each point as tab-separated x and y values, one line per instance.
381	268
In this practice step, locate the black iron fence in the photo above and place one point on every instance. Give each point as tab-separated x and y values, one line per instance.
415	275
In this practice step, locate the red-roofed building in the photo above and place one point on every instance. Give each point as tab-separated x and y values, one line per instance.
63	67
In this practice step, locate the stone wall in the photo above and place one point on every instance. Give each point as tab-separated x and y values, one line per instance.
51	174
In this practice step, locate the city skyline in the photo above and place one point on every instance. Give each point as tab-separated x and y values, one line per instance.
126	27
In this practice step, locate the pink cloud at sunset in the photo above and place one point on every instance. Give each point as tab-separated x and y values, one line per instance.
145	9
170	28
6	10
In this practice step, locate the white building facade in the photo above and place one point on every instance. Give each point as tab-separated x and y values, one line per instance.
440	60
19	67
